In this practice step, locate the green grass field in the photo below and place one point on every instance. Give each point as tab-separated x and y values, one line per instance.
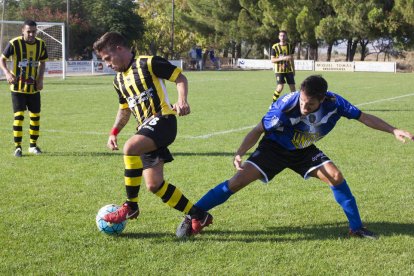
288	227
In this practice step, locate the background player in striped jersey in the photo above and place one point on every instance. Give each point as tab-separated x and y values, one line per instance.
140	86
29	55
284	66
290	128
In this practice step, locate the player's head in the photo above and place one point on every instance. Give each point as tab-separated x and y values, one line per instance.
113	48
312	93
109	41
29	30
283	36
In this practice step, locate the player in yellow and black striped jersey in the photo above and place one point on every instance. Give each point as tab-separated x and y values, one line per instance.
140	86
29	55
284	66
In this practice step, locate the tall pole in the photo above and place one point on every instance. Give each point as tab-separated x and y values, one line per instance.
172	31
2	25
67	28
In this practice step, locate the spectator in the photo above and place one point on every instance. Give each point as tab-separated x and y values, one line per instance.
199	59
193	57
214	59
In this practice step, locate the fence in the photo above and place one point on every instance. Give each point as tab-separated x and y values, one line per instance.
310	65
94	67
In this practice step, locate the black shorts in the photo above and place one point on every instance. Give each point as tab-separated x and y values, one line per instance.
282	78
270	159
162	130
23	101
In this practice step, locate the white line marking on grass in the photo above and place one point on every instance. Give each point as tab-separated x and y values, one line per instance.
243	128
73	132
205	136
217	133
69	132
387	99
208	80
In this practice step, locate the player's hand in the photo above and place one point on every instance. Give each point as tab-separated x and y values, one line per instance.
39	84
402	135
11	79
112	142
182	108
237	162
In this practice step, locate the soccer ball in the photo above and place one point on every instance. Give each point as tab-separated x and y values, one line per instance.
107	227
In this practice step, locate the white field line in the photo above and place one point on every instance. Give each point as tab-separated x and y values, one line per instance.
243	128
93	88
387	99
217	133
205	136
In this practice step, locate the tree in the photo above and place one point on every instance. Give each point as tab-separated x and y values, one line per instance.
215	21
329	30
406	9
114	15
306	22
157	38
401	24
88	19
227	15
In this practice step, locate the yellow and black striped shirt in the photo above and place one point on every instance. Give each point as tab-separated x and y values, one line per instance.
141	87
26	60
283	50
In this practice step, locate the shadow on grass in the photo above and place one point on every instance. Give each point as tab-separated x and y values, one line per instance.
111	153
284	233
304	233
81	153
203	153
151	235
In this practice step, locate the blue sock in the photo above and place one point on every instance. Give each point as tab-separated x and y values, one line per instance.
344	197
215	196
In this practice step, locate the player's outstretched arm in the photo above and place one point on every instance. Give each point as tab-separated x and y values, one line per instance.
379	124
248	142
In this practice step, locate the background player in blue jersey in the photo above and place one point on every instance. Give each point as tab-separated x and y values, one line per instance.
290	128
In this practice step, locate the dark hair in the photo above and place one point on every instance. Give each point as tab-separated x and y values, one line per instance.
282	31
30	23
110	41
314	86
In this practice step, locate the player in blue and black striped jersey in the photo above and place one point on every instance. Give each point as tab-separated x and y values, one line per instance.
290	128
140	86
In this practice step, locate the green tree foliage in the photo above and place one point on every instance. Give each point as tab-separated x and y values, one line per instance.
239	27
306	22
209	20
401	24
227	23
372	20
406	9
159	38
87	19
250	23
114	15
329	30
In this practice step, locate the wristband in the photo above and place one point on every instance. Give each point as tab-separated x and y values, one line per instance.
114	131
